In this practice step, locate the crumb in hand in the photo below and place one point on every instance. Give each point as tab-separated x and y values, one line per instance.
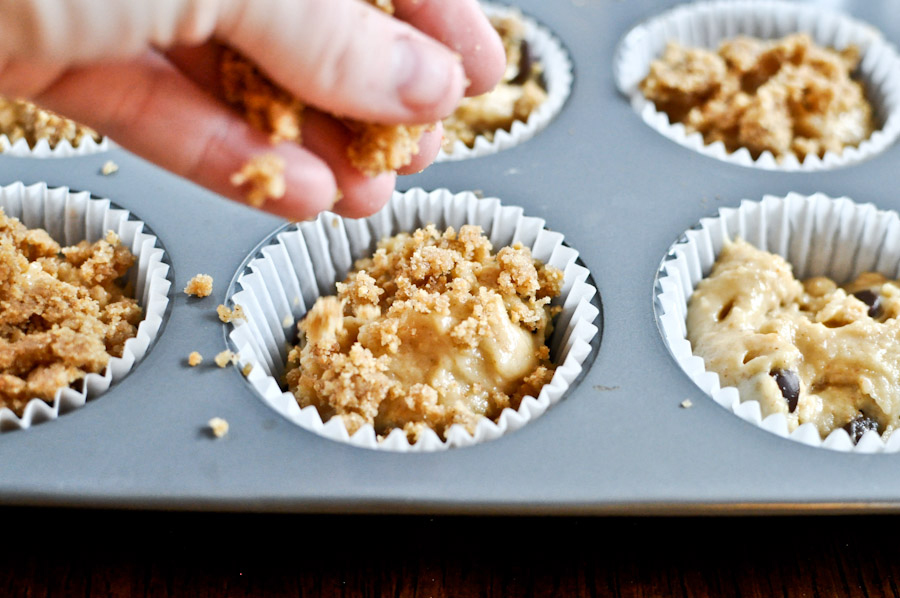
226	314
264	177
195	359
218	427
200	285
225	357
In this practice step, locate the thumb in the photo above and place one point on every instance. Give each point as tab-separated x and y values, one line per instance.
348	58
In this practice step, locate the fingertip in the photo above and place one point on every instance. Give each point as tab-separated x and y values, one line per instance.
308	191
485	63
359	201
429	146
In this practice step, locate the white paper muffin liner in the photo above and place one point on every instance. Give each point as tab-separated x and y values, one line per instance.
819	236
283	279
42	149
547	50
71	217
707	24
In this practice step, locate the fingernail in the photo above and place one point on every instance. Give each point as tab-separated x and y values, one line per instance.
423	73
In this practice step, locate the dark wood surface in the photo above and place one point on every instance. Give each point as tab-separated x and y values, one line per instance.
82	553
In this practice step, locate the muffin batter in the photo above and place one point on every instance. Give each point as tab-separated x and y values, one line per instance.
433	330
813	351
785	96
62	315
518	94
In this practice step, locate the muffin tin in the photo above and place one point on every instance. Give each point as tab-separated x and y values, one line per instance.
619	442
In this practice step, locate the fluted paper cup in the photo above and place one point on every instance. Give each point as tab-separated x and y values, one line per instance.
818	236
283	278
707	24
70	217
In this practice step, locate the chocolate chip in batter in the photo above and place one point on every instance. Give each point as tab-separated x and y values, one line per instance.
872	299
789	384
525	62
859	426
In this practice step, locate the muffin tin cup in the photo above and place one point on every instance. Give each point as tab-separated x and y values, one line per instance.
707	24
818	236
552	55
71	217
42	149
281	281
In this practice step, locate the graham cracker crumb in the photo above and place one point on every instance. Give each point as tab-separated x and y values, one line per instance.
200	285
247	369
225	357
686	404
218	427
264	177
195	359
109	167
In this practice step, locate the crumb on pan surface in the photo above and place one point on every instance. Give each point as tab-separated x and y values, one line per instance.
200	285
225	357
21	119
787	96
109	167
813	351
263	176
195	359
515	97
218	427
62	313
433	330
375	148
226	314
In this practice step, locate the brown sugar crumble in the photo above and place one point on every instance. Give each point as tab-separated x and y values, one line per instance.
432	330
200	285
266	106
787	96
227	315
109	167
62	313
195	359
20	119
218	427
518	94
225	357
263	176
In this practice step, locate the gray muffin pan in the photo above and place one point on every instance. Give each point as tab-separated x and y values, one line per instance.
619	443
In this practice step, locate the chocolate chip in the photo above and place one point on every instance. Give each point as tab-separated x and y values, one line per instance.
872	299
789	384
524	64
859	426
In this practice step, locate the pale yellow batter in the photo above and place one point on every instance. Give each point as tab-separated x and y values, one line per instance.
431	331
813	351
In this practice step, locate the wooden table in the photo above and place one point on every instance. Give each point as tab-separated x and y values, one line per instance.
86	553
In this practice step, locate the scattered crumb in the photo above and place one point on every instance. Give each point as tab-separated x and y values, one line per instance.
218	427
603	388
264	177
226	314
109	167
200	286
686	404
247	369
225	357
194	359
287	321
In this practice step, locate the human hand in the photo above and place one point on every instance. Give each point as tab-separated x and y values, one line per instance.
147	75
